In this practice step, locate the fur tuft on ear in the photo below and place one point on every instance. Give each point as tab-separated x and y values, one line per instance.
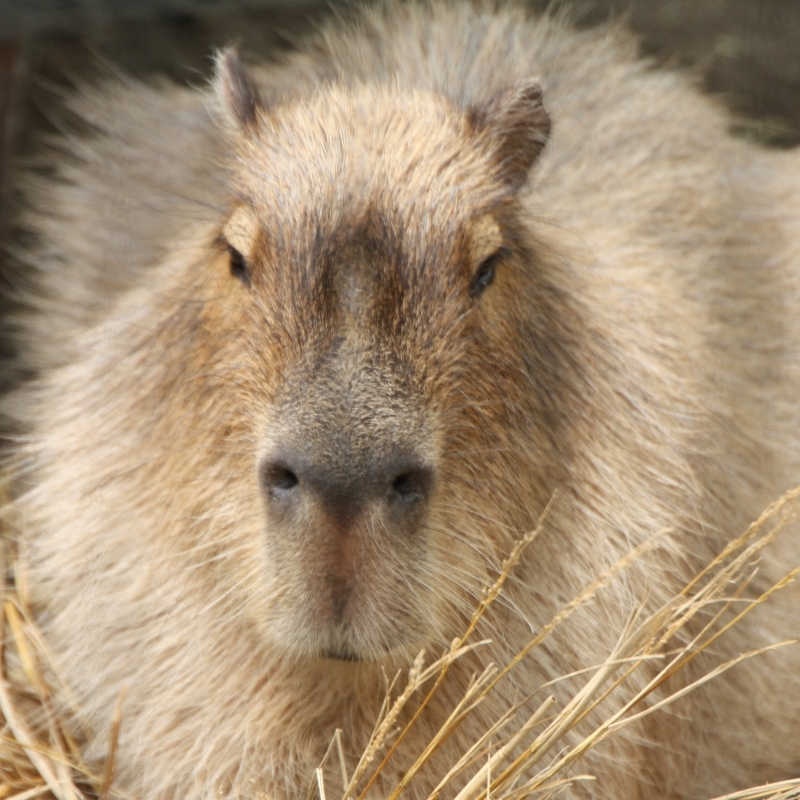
236	90
518	126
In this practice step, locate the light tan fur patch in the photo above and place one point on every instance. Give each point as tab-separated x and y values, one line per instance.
241	231
485	240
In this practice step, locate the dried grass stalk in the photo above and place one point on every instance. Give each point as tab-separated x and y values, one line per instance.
511	771
513	759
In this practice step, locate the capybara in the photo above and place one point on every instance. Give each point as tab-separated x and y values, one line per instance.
309	350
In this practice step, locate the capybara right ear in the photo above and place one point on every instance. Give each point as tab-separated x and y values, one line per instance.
235	89
518	126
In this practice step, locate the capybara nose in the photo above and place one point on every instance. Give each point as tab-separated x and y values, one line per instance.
344	486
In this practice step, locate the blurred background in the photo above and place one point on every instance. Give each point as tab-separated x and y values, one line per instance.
746	51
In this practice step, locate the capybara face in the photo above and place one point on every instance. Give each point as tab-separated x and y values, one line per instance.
379	368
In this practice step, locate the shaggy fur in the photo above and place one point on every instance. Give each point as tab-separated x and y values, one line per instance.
313	350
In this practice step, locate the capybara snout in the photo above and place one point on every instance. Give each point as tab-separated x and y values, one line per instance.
347	475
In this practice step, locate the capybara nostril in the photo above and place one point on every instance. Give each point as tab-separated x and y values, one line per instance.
278	480
412	485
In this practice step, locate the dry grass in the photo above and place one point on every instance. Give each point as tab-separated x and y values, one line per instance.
519	756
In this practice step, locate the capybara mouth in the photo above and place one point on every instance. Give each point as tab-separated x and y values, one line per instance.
342	654
349	644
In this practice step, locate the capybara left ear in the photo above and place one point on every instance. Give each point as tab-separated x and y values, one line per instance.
235	89
518	125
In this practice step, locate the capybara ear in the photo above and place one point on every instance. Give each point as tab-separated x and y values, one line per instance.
235	89
518	123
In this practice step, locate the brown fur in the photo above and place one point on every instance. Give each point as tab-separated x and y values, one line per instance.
638	350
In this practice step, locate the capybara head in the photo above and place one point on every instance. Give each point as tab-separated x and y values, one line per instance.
370	355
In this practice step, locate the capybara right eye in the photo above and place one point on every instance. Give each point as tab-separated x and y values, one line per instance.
238	265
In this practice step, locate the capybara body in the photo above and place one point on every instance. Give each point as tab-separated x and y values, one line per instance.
311	350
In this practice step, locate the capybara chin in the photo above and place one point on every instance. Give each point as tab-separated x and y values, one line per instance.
313	348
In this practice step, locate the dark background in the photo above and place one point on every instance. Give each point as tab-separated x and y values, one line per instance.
747	51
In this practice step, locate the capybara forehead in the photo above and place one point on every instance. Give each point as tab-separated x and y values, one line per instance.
360	274
405	161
